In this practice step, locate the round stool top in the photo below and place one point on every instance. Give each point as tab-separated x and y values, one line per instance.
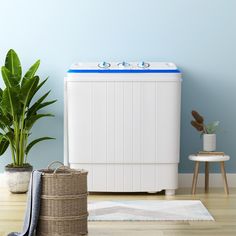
208	158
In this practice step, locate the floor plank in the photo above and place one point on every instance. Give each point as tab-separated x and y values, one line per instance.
221	206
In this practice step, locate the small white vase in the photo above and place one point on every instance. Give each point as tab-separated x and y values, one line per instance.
209	142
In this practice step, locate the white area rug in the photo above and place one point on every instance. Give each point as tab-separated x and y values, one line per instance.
148	210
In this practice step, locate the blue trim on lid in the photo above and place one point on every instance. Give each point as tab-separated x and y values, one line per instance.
123	71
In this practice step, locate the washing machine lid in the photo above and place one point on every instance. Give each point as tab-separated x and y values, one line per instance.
124	67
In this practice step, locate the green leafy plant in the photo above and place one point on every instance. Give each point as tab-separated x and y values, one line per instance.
199	125
18	112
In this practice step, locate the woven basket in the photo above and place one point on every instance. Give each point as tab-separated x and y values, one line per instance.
63	210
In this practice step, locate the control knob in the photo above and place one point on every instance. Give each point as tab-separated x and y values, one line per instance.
104	65
123	64
143	64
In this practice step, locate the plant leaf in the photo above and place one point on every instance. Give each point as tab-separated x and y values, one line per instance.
12	63
36	90
5	120
28	89
212	127
34	107
42	83
32	119
38	105
31	72
9	79
197	126
10	136
2	127
30	145
46	104
1	92
198	118
10	102
4	143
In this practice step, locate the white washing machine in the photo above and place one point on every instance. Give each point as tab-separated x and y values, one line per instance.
122	124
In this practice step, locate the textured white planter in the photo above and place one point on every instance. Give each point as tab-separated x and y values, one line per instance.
18	179
209	142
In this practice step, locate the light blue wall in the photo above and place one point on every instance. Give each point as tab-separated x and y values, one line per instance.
198	35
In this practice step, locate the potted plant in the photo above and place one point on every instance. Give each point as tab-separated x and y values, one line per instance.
18	114
207	130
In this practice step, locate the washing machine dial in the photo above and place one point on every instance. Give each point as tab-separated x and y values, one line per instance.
143	64
104	65
123	64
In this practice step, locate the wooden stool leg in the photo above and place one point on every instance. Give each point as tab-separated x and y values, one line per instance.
222	167
206	177
196	168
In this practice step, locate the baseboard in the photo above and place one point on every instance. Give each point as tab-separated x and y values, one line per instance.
185	180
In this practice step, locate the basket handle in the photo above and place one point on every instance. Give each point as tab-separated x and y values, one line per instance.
54	162
61	166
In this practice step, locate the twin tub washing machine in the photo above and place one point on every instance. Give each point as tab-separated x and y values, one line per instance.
122	124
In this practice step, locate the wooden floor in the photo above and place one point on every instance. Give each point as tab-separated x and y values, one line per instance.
222	207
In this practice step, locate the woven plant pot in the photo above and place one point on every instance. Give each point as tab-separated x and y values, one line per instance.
63	210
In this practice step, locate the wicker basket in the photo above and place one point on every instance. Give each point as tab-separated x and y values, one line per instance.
63	208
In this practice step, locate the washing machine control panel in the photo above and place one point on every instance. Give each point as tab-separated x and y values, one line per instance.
124	65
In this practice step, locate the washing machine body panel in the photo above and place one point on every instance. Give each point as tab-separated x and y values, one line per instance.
124	127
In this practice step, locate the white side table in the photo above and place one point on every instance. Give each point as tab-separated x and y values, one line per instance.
207	159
